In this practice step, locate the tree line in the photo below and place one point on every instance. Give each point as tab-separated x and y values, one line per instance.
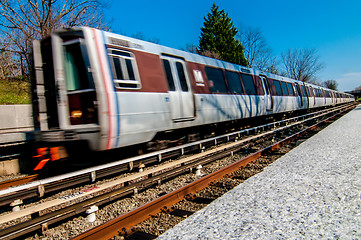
22	21
247	47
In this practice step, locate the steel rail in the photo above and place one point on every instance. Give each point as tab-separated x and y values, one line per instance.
10	150
150	178
43	221
40	187
122	224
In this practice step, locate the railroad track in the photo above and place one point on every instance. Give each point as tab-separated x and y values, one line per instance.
136	183
108	170
12	150
123	225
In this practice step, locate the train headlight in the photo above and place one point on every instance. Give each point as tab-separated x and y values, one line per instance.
76	114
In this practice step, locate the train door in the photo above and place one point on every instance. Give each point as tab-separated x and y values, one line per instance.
299	91
305	95
267	93
314	95
80	88
180	92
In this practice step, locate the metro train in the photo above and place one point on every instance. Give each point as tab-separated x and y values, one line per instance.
112	91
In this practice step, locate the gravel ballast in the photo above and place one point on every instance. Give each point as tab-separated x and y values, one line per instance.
313	192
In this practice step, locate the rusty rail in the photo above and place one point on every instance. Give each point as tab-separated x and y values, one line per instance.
18	181
122	224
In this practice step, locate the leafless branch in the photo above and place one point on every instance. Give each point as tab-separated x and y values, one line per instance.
22	21
256	50
302	64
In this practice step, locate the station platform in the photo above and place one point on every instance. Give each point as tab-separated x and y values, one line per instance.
312	192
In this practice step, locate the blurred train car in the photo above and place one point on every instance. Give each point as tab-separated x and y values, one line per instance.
112	91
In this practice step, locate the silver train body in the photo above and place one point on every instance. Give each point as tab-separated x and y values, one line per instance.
113	91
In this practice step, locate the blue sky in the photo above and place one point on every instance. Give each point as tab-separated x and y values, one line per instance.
332	27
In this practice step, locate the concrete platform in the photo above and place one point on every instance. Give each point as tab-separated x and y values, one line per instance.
313	192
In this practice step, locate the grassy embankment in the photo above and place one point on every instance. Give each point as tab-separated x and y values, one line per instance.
14	92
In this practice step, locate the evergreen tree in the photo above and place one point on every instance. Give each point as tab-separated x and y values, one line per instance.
218	37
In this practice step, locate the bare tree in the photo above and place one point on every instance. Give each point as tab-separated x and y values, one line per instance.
8	67
191	48
256	50
330	84
268	63
22	21
302	64
140	36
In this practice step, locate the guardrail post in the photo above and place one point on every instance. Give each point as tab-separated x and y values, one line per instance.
198	172
41	190
93	176
16	205
91	213
141	167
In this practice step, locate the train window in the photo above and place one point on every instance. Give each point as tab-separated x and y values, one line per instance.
234	82
284	89
266	86
76	66
248	84
271	86
327	93
168	72
181	76
308	91
130	69
312	92
303	91
124	69
298	90
278	88
216	80
290	89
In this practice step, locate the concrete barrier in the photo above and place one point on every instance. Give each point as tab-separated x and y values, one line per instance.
15	118
14	121
9	167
